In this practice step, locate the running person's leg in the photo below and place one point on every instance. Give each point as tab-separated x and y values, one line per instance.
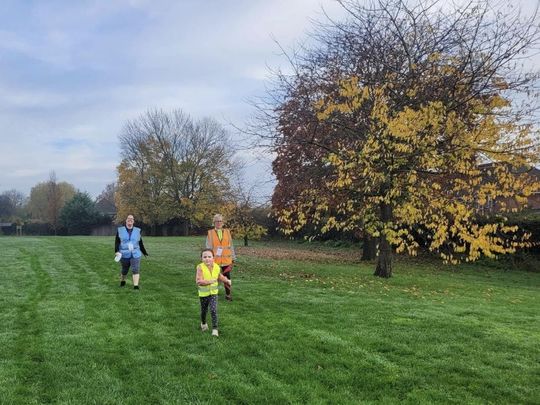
213	300
124	270
135	266
226	271
205	301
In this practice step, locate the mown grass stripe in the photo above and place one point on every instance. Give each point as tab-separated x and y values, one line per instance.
32	370
296	332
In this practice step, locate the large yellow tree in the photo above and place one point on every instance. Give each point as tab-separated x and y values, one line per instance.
402	123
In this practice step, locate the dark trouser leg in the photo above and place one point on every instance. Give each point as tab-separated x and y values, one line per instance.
213	310
125	263
227	288
204	308
226	271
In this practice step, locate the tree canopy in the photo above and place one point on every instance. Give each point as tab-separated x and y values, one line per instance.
48	198
173	168
241	213
388	122
79	215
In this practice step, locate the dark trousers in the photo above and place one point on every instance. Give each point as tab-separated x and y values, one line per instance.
210	301
226	271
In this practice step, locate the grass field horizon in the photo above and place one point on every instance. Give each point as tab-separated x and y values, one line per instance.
305	326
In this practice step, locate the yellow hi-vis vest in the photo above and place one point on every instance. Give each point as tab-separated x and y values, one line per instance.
223	246
211	289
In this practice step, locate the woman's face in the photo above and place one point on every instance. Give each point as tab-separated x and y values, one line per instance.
218	223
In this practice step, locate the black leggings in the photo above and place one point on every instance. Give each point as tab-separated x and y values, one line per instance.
211	301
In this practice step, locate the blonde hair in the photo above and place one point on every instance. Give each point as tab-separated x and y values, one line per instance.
217	217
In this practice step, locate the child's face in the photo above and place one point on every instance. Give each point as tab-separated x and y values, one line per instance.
208	258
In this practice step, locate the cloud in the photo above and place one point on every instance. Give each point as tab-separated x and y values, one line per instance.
72	73
20	99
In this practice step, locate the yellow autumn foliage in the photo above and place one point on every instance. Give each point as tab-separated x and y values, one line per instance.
424	162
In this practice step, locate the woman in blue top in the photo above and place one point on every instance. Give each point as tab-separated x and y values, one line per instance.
129	246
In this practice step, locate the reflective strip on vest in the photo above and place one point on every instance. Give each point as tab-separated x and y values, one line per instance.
212	289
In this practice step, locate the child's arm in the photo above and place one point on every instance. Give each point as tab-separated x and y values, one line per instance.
200	280
224	279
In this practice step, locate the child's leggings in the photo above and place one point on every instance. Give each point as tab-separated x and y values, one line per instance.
211	301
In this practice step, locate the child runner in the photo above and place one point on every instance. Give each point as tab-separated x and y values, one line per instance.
208	275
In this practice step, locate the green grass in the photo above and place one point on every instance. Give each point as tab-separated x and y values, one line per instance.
296	332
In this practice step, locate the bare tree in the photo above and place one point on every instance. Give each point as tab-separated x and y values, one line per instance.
105	200
11	205
173	168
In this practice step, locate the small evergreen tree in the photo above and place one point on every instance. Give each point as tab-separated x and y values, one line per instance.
79	215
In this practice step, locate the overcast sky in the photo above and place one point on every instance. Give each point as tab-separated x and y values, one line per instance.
73	72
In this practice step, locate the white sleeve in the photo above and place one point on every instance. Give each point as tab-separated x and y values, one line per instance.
208	243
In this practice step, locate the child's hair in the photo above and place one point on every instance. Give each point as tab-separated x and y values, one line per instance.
207	250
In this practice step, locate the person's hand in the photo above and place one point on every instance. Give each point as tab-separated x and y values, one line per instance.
230	282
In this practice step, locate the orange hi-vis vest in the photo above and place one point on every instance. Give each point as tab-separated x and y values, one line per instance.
222	248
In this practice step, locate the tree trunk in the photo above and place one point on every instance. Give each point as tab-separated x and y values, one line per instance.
369	248
245	240
384	262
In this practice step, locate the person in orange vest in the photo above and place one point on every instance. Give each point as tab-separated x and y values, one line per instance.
207	277
221	243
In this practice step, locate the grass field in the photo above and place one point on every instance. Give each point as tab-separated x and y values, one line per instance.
304	327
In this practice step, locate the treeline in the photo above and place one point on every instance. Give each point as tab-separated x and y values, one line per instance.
175	174
58	208
55	208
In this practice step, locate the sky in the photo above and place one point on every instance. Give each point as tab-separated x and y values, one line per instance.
72	73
